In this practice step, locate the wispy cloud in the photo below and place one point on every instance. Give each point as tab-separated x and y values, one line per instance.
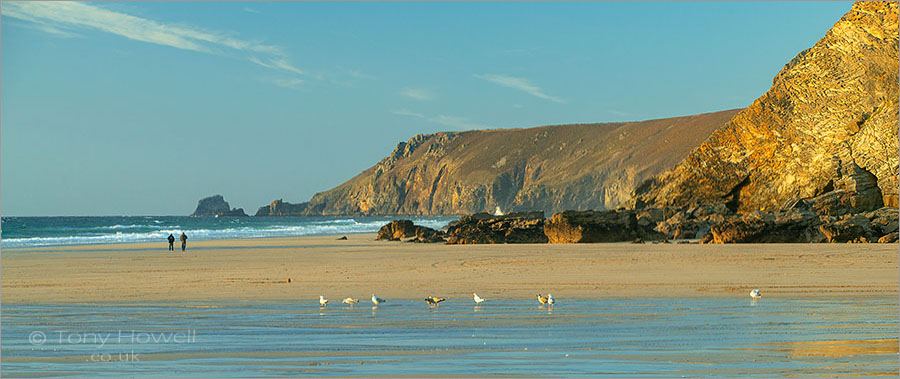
417	93
251	10
277	63
446	120
61	17
292	83
520	84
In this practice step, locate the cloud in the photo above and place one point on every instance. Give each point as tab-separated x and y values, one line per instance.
251	10
277	63
56	17
292	83
417	93
520	84
451	121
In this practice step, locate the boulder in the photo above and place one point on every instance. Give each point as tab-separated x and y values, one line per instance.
793	226
856	228
516	227
597	226
400	229
397	230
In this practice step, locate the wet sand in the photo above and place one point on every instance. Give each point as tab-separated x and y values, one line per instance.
259	269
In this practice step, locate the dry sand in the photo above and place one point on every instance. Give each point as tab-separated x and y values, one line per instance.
258	269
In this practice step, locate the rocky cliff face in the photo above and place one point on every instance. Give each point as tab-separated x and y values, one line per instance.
551	168
829	122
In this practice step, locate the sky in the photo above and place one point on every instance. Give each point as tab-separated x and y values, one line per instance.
143	108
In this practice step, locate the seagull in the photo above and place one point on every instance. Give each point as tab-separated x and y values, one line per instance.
350	301
322	301
431	300
550	299
478	299
542	299
377	300
755	294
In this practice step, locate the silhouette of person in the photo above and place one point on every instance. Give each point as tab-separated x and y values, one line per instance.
183	241
171	242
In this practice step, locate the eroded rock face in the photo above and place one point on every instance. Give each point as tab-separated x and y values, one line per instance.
281	208
597	226
829	122
211	206
481	228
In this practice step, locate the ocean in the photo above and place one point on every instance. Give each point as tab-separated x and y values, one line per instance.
661	337
26	232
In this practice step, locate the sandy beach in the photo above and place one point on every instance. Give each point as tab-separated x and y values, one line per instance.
259	269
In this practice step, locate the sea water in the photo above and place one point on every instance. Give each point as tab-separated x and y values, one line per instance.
582	338
25	232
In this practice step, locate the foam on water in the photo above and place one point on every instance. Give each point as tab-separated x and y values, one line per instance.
24	232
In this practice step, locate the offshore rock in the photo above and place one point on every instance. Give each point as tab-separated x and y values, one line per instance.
211	206
236	212
597	226
828	123
485	228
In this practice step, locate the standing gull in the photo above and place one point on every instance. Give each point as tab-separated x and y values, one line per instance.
542	299
377	300
550	299
322	301
755	294
478	299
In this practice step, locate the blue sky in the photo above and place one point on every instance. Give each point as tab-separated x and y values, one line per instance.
142	108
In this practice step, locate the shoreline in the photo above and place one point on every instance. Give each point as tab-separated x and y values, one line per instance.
258	269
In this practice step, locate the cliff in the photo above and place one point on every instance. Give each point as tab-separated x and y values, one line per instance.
829	122
550	168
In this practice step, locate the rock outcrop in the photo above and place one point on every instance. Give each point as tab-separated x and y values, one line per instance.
516	227
554	168
804	226
593	226
236	212
829	122
215	206
400	229
281	208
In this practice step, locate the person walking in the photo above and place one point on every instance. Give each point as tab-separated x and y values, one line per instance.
171	242
183	241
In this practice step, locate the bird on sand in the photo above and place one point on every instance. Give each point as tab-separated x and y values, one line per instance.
755	294
350	301
431	300
542	299
377	300
478	299
550	299
322	301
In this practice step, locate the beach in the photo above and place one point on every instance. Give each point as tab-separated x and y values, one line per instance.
305	267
